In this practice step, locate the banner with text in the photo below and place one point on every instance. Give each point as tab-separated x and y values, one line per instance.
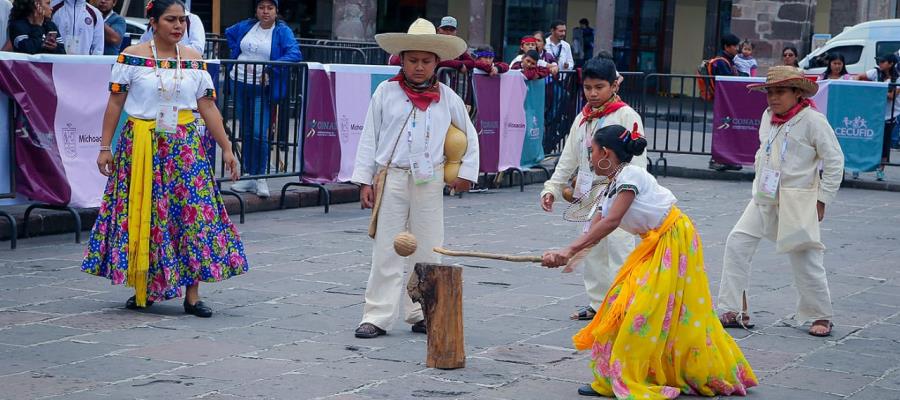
736	114
855	111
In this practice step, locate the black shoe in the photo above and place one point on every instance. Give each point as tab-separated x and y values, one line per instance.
419	327
717	166
198	309
587	390
131	304
369	331
730	167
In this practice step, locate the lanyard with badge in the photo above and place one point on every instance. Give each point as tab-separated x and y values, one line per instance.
420	163
771	177
167	115
584	182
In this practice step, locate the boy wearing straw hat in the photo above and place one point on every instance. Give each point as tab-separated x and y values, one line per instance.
408	119
789	199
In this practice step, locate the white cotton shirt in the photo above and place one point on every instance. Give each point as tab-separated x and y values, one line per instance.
651	205
81	30
890	110
139	81
562	52
386	122
255	46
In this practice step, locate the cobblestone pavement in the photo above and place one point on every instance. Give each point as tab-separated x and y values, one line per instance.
285	329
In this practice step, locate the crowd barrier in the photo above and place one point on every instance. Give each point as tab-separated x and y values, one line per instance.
316	50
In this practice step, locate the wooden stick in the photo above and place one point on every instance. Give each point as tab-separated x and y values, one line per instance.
491	256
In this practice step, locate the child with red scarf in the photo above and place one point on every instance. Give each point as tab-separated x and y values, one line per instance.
404	133
788	203
530	66
484	60
603	108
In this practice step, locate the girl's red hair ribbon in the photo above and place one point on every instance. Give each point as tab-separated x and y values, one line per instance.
149	7
633	134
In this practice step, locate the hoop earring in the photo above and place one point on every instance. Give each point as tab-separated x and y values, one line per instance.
608	164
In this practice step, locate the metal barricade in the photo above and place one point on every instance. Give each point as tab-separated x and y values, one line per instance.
564	98
631	90
892	138
461	83
216	48
263	105
11	193
332	54
676	119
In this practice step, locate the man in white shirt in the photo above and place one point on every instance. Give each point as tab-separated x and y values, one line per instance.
5	9
195	38
558	47
80	25
415	107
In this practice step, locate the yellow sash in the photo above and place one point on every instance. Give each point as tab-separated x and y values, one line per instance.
140	196
609	316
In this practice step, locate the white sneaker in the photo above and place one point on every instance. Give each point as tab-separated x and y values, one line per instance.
262	188
244	186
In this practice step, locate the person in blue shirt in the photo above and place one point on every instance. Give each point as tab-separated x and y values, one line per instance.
113	28
257	87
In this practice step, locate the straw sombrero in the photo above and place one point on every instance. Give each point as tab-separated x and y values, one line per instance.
787	76
422	36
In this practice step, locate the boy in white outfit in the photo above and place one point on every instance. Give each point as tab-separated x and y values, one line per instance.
788	202
407	122
603	108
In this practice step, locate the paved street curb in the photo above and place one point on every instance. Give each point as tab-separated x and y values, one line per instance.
45	222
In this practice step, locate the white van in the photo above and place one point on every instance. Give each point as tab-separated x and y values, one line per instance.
859	44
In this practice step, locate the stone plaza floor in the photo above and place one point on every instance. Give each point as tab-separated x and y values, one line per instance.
285	329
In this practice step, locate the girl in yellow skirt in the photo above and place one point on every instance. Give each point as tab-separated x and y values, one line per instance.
655	336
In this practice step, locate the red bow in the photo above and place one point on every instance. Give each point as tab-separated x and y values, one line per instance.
631	135
149	7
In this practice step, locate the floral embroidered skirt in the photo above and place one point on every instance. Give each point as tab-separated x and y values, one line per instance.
661	337
191	237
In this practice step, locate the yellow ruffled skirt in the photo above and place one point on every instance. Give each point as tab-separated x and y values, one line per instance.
656	335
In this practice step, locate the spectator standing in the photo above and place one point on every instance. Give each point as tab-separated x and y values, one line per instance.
464	63
744	61
790	56
484	60
530	68
195	34
80	25
31	30
836	67
583	42
262	38
723	65
114	27
558	47
5	12
885	72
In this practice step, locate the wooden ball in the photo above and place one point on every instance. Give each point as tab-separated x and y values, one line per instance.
568	194
405	244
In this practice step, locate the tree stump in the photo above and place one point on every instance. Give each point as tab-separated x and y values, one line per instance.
438	288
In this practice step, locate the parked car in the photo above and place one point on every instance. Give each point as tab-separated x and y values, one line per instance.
134	28
859	44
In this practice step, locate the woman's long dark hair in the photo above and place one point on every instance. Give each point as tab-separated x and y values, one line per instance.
157	8
829	57
22	9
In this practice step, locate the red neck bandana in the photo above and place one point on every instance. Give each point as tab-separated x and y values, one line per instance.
781	119
420	97
607	108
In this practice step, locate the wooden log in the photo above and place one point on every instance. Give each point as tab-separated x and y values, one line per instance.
438	288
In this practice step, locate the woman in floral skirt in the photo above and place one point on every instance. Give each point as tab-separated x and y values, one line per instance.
162	224
655	336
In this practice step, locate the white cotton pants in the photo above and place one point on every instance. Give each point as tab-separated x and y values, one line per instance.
603	263
421	208
807	265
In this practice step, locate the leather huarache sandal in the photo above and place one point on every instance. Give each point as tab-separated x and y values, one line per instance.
730	320
585	314
821	323
369	331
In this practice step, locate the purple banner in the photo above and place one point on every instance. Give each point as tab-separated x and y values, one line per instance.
512	119
736	114
487	122
322	145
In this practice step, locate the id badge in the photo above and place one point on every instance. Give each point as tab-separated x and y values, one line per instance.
583	183
422	168
167	118
768	183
